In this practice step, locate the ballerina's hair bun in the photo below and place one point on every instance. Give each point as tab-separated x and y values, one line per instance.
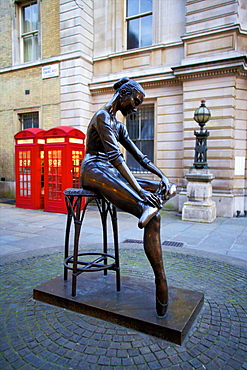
120	82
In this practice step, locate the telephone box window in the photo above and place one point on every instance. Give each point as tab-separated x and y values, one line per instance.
55	174
25	173
42	174
77	157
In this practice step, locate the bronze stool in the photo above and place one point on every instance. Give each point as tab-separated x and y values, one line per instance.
100	261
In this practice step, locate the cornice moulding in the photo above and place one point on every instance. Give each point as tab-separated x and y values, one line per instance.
106	85
131	52
209	33
236	65
42	62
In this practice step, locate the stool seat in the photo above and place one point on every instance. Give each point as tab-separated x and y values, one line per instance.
92	261
80	192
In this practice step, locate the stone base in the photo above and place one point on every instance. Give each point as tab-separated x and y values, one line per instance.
226	204
199	211
132	307
7	189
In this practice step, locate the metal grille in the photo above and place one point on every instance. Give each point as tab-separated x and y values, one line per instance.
173	244
166	242
140	126
136	241
29	120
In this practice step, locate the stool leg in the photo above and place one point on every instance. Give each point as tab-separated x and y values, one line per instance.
76	244
116	249
68	225
104	226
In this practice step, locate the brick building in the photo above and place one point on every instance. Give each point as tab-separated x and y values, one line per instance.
59	61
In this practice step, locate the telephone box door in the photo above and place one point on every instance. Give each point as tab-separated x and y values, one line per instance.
29	168
54	180
64	151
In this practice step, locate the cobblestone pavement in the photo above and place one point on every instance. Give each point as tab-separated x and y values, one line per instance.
35	335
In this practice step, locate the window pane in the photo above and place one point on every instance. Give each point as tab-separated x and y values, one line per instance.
27	46
29	120
140	126
34	17
132	7
26	16
35	47
146	6
146	31
29	32
147	129
147	147
133	34
133	127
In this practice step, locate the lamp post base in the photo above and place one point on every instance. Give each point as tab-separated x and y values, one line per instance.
199	207
199	211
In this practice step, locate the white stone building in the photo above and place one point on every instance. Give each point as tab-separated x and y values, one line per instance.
180	51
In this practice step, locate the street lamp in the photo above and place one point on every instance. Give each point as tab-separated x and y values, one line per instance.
201	116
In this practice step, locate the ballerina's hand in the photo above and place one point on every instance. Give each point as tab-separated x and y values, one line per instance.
163	186
150	198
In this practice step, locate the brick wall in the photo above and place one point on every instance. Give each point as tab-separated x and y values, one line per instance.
50	20
44	97
5	34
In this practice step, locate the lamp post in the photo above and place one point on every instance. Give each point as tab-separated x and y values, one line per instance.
199	205
201	116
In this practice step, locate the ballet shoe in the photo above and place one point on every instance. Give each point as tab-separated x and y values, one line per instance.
161	307
164	197
148	213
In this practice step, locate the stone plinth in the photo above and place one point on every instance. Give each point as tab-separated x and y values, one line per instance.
132	307
199	206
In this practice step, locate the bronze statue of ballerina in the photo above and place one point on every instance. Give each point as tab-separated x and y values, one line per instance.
104	164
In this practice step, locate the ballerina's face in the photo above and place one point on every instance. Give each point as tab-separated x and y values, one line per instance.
129	102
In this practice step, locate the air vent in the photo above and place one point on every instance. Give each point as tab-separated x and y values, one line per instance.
166	242
134	241
172	244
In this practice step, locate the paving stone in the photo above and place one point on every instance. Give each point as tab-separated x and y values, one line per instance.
103	360
149	357
218	340
116	361
154	365
127	362
175	359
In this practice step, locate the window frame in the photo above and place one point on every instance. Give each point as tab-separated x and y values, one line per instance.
138	16
22	114
24	35
17	39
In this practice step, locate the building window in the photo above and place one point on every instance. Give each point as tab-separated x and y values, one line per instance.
29	120
29	32
139	23
140	126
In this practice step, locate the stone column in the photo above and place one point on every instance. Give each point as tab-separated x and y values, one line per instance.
199	207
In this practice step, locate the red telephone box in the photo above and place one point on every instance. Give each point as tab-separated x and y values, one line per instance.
64	151
29	168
